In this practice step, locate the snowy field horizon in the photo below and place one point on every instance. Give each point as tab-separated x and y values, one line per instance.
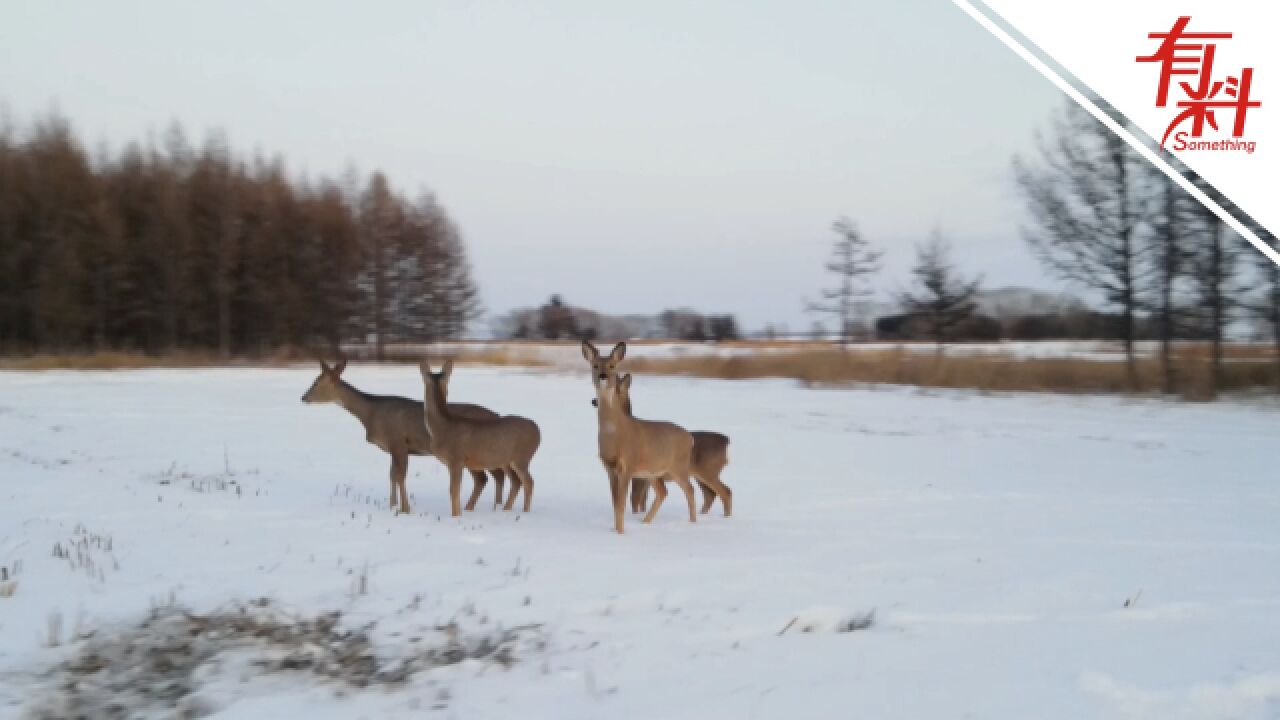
1015	555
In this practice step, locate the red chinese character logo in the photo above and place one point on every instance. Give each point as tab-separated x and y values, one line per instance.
1183	53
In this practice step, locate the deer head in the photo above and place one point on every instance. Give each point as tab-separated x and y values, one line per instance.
610	392
603	367
437	383
325	387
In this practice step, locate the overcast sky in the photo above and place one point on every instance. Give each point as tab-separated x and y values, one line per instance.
629	156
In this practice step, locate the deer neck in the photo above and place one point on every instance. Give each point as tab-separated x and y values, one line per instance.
614	424
436	415
355	402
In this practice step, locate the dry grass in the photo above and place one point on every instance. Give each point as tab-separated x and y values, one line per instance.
999	373
502	355
103	361
125	360
479	354
1248	367
1237	351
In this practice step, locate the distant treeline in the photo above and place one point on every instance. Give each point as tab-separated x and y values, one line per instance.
558	320
164	246
1072	324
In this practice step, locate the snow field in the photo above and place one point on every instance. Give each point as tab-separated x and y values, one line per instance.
997	540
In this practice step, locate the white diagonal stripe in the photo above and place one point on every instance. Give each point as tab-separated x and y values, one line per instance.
1084	101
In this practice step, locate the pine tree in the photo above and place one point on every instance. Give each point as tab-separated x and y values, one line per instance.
942	296
161	247
853	261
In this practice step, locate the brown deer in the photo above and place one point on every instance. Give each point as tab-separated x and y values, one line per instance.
634	448
710	449
394	424
461	442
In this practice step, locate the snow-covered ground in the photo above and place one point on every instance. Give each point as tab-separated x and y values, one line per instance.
997	539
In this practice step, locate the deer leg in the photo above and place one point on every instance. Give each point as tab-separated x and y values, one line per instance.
392	475
455	489
526	483
499	478
659	495
515	487
711	481
639	494
618	483
399	466
683	481
708	495
479	480
516	482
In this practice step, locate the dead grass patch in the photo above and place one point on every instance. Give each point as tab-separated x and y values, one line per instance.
107	360
125	360
1246	367
499	355
161	665
996	372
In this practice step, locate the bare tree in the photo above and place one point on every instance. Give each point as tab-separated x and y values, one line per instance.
1266	306
1086	206
1167	241
1214	265
943	298
853	261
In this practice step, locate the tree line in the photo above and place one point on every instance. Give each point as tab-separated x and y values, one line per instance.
1104	219
163	246
559	320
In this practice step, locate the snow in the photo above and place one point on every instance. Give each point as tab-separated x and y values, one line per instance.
997	539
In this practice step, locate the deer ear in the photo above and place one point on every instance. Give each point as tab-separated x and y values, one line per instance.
325	369
619	352
589	351
447	370
424	367
342	365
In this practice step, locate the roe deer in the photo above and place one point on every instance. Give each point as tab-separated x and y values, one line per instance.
394	424
710	456
710	449
634	448
476	444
